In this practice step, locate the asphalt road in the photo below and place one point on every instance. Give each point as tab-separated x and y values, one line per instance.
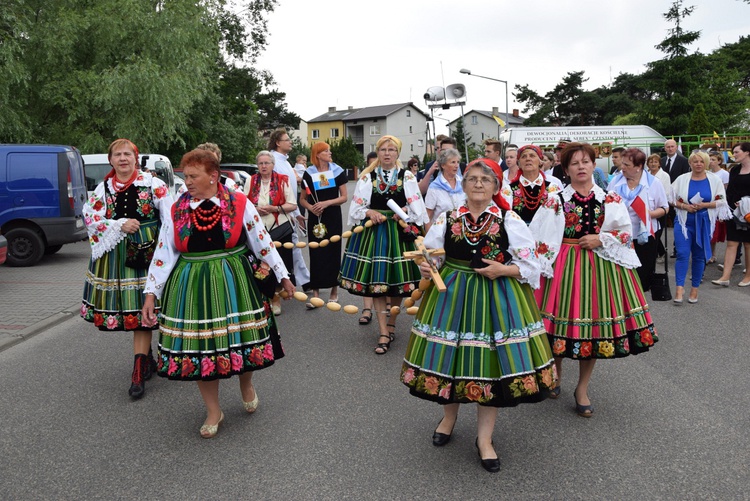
334	422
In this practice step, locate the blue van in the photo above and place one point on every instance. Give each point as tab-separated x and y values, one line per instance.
42	192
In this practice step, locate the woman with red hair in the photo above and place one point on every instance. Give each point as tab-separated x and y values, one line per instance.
215	324
123	214
325	191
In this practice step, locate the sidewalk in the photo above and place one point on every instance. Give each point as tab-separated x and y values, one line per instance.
37	297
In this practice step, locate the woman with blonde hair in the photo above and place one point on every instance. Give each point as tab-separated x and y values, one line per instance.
699	200
374	263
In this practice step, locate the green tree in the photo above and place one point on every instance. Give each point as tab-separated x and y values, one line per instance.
345	153
699	123
166	74
462	143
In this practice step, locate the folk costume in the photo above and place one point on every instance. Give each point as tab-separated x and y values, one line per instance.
112	291
214	322
481	340
594	306
325	262
537	202
277	191
374	263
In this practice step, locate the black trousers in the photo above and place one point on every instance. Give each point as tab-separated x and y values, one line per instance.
647	255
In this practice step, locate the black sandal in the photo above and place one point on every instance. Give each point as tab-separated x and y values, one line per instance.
365	319
383	347
391	334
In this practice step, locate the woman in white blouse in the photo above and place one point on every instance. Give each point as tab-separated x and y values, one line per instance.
445	193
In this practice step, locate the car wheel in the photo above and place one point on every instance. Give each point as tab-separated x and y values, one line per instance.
25	247
51	249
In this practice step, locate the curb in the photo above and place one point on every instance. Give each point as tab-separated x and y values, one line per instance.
39	327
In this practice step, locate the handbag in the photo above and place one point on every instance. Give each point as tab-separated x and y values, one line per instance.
660	281
263	275
138	255
279	232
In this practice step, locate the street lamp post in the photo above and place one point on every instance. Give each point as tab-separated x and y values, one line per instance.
468	72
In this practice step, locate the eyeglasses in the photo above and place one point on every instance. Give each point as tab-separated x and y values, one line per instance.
265	163
388	150
479	180
285	140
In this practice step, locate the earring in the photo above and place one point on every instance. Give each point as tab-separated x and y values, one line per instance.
211	182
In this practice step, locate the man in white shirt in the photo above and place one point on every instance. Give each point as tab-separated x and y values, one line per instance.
280	144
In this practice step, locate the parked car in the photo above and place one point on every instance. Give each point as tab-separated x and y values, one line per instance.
236	176
42	192
3	249
97	166
249	168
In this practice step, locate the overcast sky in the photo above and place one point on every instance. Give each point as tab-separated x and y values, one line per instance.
358	53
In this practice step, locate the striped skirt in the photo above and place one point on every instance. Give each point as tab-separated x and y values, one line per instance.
112	292
480	341
594	308
214	323
374	263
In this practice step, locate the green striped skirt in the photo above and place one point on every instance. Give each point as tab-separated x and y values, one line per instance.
479	341
374	263
112	292
214	323
594	308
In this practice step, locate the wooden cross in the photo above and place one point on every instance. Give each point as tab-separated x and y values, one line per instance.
423	254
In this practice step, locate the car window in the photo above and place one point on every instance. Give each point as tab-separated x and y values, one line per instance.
95	174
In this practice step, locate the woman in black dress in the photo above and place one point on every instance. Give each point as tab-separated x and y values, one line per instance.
738	187
325	186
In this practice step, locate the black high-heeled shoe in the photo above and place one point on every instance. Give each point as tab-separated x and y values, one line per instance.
491	465
440	439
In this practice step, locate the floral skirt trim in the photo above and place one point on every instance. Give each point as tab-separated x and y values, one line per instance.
531	387
207	366
633	343
112	292
374	263
594	308
214	321
480	341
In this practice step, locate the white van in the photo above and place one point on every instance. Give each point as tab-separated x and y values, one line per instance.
97	166
629	136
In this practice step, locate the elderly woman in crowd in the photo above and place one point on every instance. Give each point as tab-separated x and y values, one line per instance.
487	315
446	192
274	200
537	201
325	192
123	217
647	202
738	187
699	200
374	263
594	306
214	322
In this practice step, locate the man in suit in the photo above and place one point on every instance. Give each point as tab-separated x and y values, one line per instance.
674	164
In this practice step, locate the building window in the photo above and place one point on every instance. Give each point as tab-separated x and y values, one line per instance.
420	143
375	130
334	133
474	120
315	134
372	148
410	131
411	146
